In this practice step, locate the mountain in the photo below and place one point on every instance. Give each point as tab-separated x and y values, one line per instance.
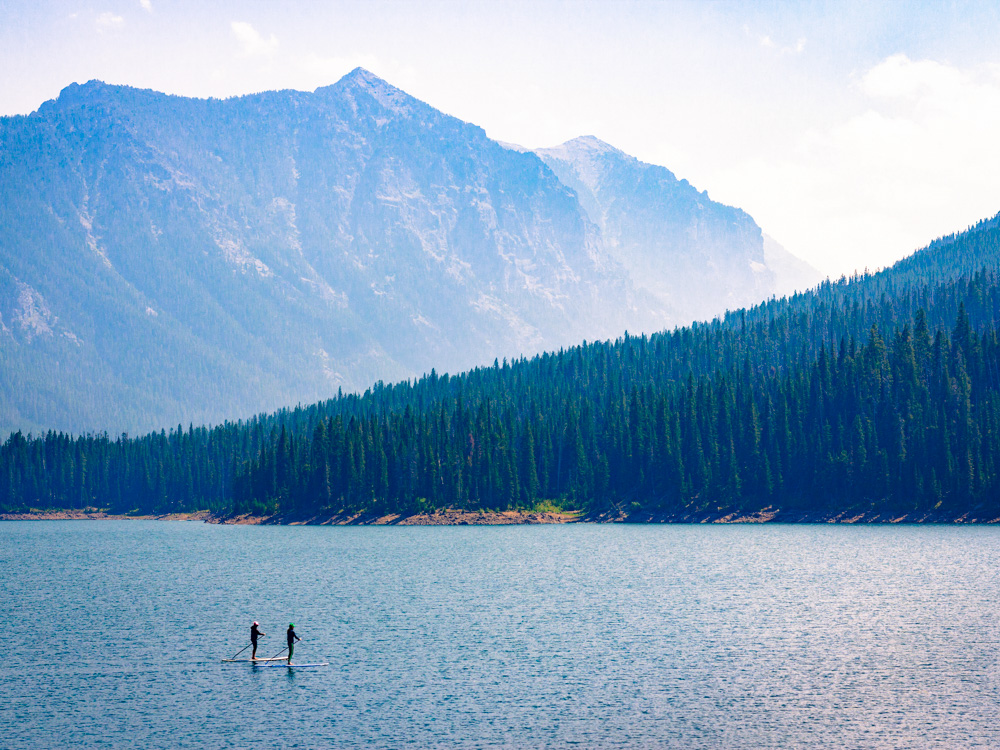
791	273
690	253
875	397
165	259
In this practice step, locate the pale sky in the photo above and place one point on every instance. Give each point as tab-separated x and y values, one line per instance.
853	132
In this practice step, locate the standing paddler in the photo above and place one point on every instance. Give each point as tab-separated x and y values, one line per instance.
254	635
291	640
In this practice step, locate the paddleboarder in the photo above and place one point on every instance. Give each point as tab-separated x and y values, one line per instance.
291	640
254	635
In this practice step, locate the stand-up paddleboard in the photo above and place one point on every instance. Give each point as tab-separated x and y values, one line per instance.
296	665
254	661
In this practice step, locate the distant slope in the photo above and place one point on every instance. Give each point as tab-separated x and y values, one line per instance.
168	260
791	274
695	255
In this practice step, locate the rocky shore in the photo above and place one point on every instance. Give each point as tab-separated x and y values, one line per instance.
449	517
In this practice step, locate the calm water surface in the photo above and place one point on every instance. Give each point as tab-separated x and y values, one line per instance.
540	636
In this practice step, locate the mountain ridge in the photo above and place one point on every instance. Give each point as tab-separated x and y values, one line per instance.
167	259
675	242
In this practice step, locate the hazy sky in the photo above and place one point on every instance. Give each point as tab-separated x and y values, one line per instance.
852	132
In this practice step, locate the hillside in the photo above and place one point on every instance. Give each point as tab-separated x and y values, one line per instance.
690	253
875	396
165	259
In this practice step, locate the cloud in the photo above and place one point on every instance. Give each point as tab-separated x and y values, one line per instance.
254	45
108	21
918	160
898	77
794	49
147	5
768	43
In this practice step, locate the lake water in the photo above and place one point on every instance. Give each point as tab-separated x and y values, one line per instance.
520	636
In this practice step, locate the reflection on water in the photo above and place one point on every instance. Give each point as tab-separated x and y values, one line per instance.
701	636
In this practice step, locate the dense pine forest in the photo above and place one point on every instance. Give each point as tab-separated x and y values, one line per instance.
878	393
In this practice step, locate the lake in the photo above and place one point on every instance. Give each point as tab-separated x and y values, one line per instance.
518	636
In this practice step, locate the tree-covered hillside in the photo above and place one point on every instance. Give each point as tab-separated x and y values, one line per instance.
876	393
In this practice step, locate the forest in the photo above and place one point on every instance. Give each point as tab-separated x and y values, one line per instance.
878	393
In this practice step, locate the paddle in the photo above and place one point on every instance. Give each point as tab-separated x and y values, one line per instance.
285	649
280	652
245	647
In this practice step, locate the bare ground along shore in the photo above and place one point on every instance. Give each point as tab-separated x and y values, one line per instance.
450	517
458	517
96	514
779	515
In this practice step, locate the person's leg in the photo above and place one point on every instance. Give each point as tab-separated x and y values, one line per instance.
254	655
291	650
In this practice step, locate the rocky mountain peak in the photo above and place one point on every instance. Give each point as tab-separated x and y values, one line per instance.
361	82
588	144
363	77
589	157
79	94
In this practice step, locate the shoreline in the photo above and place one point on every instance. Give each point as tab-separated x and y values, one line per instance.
449	517
786	516
458	517
96	514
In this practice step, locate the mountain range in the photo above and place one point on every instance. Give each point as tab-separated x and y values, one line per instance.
166	259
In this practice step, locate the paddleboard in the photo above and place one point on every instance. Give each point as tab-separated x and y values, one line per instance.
319	664
270	658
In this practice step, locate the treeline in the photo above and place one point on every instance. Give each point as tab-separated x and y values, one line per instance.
904	423
874	392
160	472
